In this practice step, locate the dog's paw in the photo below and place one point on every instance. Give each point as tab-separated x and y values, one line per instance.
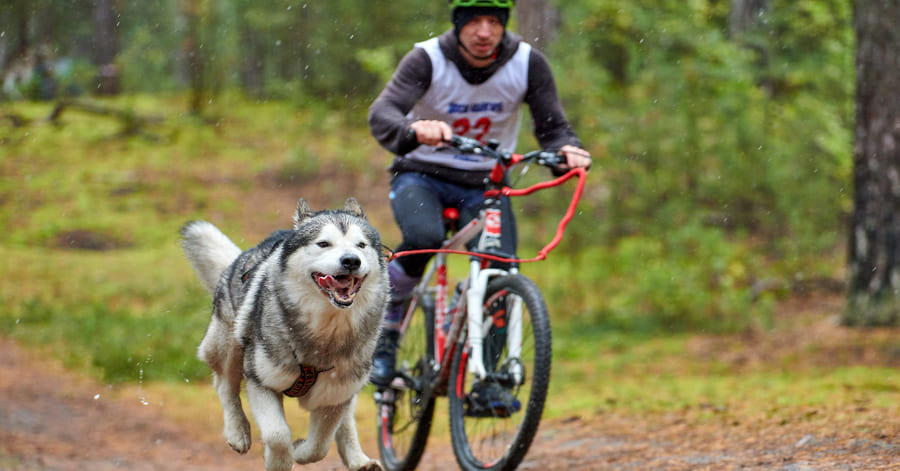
371	465
238	436
239	443
305	451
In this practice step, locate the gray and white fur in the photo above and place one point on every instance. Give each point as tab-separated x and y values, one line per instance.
313	296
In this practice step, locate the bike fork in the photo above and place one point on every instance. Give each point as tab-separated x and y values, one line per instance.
478	326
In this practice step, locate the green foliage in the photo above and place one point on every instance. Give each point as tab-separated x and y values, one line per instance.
119	345
127	315
693	279
695	130
742	141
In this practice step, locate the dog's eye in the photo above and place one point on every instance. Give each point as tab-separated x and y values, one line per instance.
361	245
323	244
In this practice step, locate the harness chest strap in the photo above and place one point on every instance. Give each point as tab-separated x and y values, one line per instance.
306	380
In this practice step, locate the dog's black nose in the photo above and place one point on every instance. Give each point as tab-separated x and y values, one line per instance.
350	262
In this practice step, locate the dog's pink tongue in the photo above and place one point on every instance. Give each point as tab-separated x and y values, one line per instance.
330	282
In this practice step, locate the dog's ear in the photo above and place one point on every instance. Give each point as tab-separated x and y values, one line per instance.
352	206
303	212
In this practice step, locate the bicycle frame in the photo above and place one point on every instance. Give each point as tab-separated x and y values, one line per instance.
473	290
475	286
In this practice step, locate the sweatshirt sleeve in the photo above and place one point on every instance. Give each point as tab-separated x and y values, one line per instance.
551	128
388	119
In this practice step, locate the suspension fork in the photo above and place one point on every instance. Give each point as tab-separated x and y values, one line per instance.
478	326
514	340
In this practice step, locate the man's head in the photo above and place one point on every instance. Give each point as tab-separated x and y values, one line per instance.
479	26
463	11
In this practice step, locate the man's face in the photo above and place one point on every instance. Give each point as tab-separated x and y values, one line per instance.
480	38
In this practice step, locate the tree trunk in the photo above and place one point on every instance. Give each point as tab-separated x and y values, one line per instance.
193	53
106	47
253	69
538	22
744	15
874	245
18	42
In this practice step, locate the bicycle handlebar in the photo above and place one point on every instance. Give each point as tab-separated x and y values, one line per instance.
547	158
507	159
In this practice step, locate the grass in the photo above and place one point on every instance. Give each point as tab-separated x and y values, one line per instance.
129	311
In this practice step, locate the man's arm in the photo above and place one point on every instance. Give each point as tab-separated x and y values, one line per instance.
387	115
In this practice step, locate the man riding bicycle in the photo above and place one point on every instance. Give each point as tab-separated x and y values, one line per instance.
471	80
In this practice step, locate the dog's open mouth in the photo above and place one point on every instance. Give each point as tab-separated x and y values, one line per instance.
341	288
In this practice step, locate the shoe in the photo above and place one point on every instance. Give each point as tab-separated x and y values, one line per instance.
384	359
489	399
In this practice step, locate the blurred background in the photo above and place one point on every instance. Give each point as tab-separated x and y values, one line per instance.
722	131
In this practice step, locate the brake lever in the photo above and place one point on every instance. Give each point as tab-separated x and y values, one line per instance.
463	144
553	160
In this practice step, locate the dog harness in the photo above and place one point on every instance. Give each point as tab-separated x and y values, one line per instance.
306	380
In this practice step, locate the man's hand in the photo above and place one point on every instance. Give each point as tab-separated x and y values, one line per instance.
432	133
576	157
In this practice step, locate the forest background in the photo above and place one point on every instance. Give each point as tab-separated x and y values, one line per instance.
722	133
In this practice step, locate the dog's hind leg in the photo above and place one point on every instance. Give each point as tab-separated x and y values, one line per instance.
227	363
348	443
268	410
237	428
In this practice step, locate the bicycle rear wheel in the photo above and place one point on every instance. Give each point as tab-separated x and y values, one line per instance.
496	437
405	410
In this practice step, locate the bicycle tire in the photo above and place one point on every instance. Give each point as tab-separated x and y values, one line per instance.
404	421
500	442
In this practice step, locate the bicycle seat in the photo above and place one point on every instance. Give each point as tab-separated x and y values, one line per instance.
451	219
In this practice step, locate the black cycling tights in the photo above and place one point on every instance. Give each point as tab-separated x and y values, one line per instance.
419	213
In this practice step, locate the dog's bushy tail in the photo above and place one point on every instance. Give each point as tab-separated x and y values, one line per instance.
209	251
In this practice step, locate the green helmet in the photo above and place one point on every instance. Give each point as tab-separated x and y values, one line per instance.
462	11
508	4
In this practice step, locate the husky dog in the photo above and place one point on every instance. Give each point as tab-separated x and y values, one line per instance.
297	315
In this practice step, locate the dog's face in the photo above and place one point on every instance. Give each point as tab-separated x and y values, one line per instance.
335	251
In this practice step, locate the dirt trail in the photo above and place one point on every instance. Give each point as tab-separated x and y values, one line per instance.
53	420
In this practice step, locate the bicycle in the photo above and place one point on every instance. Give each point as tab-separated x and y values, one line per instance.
490	342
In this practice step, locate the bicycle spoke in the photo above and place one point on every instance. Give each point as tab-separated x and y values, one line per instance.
405	412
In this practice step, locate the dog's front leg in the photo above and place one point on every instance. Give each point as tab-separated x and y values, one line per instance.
322	425
268	410
348	443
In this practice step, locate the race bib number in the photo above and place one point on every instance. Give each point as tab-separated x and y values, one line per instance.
480	128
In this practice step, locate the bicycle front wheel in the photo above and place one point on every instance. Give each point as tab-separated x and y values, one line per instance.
494	419
406	409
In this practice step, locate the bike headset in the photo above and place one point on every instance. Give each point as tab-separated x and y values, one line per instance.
462	11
